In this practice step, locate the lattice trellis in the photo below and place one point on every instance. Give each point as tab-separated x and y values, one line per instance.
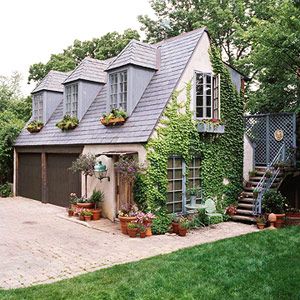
261	128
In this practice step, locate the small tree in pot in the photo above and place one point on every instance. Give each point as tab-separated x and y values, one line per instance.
96	198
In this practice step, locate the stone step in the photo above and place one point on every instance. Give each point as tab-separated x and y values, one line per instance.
244	212
248	189
247	194
246	206
246	200
239	218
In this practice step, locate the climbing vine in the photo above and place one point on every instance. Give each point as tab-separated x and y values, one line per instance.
221	156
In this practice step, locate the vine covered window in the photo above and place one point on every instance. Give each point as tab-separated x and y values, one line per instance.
118	90
207	95
72	100
38	107
194	176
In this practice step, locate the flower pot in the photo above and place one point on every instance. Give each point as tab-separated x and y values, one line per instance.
87	218
112	121
124	221
132	232
148	231
175	227
293	214
96	214
35	129
182	231
280	220
85	205
70	213
260	226
81	218
142	234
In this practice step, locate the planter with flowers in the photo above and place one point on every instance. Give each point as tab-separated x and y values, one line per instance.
211	126
115	117
175	223
261	221
142	231
87	215
35	126
126	215
231	210
132	229
184	225
145	219
67	123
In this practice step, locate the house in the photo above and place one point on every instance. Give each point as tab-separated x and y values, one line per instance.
142	80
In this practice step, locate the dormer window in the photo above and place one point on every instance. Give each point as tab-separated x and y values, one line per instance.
207	96
118	90
38	107
72	99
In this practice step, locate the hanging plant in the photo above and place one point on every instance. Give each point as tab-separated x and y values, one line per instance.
35	126
128	168
115	117
67	123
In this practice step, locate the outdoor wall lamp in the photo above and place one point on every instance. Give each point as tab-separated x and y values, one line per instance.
100	171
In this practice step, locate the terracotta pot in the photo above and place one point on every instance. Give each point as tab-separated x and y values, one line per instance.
260	226
182	231
96	214
148	231
71	213
85	205
87	218
293	214
124	221
81	218
132	232
175	227
142	234
280	220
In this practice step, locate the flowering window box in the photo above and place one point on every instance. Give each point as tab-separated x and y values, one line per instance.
112	121
210	128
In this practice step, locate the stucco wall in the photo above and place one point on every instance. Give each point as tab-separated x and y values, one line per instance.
248	158
109	187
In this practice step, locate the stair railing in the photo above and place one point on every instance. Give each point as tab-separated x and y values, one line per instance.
266	182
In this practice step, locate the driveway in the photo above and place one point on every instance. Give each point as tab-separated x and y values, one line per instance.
39	246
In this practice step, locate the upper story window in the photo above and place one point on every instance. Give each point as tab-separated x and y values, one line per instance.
118	90
38	107
72	100
207	96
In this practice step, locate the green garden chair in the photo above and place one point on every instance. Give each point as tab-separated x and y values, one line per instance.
210	209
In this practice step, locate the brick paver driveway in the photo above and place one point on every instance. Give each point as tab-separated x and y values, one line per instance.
38	246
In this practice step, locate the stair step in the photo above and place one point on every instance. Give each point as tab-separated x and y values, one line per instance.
247	194
245	206
249	188
240	218
244	212
247	200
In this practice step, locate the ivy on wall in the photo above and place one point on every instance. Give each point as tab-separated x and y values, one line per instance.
221	156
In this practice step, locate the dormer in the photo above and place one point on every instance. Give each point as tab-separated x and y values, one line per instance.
47	95
82	86
129	74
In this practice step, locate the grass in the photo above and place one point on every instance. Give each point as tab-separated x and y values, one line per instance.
263	265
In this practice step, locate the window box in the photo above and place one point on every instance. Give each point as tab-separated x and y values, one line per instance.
35	126
210	128
113	121
115	117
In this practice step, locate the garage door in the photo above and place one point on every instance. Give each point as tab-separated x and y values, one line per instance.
29	176
61	181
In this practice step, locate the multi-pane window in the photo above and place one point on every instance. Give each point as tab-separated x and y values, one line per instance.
207	96
177	182
38	107
118	90
72	100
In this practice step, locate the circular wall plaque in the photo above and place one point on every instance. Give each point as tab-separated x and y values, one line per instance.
278	134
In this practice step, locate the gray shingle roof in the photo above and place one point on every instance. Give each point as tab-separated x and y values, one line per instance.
89	69
175	54
136	53
52	82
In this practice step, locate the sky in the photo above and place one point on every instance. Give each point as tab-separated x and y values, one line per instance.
32	30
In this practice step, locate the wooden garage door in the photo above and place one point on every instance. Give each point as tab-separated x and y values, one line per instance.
60	180
29	175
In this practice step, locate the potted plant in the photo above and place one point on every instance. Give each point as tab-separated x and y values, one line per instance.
193	193
261	221
175	223
145	219
127	214
132	228
255	193
35	126
142	230
96	198
87	215
231	210
274	202
84	203
81	213
70	212
184	225
67	123
73	201
211	126
115	117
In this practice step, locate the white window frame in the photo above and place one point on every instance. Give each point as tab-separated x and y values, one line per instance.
38	109
214	107
193	176
118	90
71	98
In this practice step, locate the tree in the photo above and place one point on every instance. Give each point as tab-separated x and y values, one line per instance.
107	46
276	48
14	112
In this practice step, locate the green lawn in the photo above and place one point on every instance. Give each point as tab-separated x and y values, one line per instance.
263	265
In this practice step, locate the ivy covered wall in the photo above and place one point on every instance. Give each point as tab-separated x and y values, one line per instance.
221	155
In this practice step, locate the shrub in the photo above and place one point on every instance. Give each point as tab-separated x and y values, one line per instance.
5	190
274	202
140	192
215	219
161	223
